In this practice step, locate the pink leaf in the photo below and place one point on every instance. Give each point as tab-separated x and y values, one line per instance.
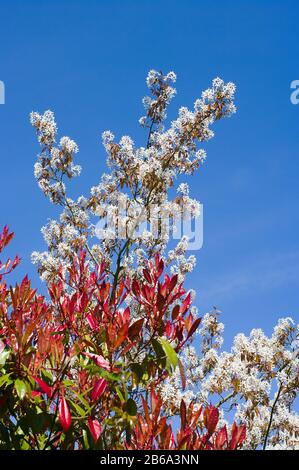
98	389
64	414
99	360
45	388
95	428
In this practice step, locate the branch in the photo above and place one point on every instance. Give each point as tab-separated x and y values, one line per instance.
271	416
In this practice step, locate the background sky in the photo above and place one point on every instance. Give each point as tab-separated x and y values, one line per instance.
87	61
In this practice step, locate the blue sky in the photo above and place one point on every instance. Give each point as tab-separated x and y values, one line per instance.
87	61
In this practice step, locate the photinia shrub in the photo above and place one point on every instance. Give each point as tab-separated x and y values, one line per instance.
81	370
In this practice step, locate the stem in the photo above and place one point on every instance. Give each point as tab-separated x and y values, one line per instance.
225	399
271	416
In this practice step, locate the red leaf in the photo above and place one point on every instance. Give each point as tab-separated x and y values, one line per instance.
64	414
221	438
238	436
160	302
122	335
147	276
16	261
127	315
99	360
211	416
194	327
95	428
183	413
91	321
44	387
135	328
173	282
155	402
186	304
168	329
136	288
175	312
98	389
160	268
196	412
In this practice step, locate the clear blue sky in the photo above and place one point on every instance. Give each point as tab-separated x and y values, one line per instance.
87	61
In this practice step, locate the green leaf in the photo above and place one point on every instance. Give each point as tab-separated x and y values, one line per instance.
48	375
83	401
131	407
68	383
4	434
137	370
85	439
120	395
160	353
170	352
20	388
39	420
3	357
78	408
5	380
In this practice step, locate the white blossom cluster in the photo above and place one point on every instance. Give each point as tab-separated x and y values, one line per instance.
256	383
136	189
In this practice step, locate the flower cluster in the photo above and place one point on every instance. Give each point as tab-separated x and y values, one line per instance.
136	190
258	381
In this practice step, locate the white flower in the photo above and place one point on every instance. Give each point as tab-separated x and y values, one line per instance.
68	145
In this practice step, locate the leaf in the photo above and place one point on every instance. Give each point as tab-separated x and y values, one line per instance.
238	436
221	438
99	360
3	357
183	414
20	388
211	417
95	428
186	304
160	267
137	370
136	288
135	328
45	388
182	373
175	312
131	407
147	276
160	302
78	408
64	414
98	389
121	336
83	401
155	402
85	439
39	421
120	395
160	353
5	380
194	327
173	282
170	352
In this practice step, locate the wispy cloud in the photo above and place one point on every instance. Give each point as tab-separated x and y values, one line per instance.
264	274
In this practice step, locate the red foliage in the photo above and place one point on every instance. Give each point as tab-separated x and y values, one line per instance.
77	371
153	431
